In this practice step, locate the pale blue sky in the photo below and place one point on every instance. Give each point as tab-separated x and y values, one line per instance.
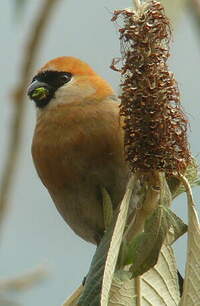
34	233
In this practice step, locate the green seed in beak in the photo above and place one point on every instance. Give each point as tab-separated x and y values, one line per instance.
40	93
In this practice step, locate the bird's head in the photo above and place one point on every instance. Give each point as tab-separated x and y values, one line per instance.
65	80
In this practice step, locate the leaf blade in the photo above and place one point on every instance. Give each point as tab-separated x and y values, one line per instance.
158	287
116	243
94	282
191	288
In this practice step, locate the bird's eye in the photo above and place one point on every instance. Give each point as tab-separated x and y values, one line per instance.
65	77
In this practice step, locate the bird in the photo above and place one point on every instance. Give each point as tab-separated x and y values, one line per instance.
78	143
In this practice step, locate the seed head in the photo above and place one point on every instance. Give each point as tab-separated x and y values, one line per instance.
154	123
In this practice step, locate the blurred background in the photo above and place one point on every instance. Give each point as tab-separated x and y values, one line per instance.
32	233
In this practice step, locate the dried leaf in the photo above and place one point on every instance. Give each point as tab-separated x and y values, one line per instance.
123	291
158	287
73	299
116	243
191	289
160	284
192	175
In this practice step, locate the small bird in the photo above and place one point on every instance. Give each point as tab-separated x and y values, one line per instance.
78	145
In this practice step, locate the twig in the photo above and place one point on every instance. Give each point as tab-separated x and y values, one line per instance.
196	4
6	302
25	281
195	8
19	104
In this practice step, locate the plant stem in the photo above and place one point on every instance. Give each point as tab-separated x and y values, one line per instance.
138	291
188	189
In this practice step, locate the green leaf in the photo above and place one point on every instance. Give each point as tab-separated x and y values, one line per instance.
158	286
93	284
177	229
107	208
99	279
144	249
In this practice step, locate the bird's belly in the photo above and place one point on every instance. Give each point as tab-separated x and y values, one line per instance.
82	210
85	155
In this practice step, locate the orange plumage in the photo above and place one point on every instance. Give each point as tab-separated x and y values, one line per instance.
78	143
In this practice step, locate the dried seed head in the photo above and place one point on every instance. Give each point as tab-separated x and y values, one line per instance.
154	123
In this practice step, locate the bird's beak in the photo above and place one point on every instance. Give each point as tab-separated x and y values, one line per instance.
38	90
40	93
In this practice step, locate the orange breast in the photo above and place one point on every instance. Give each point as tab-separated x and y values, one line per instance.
77	148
